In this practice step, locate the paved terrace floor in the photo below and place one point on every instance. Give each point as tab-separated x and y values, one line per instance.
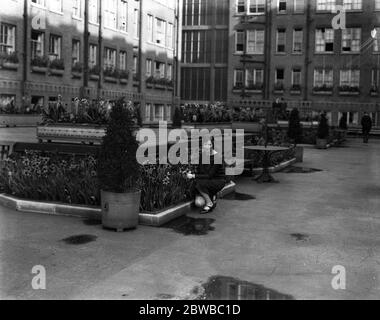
335	213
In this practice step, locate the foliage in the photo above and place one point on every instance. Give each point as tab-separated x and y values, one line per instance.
41	62
58	64
10	57
77	67
111	72
349	89
323	88
343	122
123	74
95	70
242	114
295	127
296	87
118	170
177	117
279	86
206	113
323	127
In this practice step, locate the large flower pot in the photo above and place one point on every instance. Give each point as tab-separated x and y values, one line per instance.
321	143
120	211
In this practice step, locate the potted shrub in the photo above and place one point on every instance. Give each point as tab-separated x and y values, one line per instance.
118	171
39	64
322	132
295	133
57	67
10	60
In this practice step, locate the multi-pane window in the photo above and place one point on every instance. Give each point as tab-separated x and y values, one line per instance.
93	11
7	38
159	69
297	40
123	15
323	78
256	6
296	77
254	78
280	40
350	78
37	44
159	112
150	28
110	13
39	2
325	5
196	12
240	6
197	46
136	23
351	39
255	41
299	6
376	42
75	52
324	40
239	78
148	107
280	76
160	31
375	78
93	54
135	64
123	60
282	6
109	58
55	5
55	47
377	4
169	35
148	67
169	72
239	41
352	4
77	8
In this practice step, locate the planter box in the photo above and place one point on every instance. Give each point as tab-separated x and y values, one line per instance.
374	94
123	81
348	93
254	91
295	92
170	88
136	83
110	79
149	85
20	120
278	91
323	93
237	90
57	72
10	66
76	75
94	77
39	69
159	86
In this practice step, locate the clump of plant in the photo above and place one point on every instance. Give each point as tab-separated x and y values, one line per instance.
177	118
295	127
41	62
323	127
57	64
118	170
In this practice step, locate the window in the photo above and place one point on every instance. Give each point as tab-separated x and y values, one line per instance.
254	78
350	5
93	11
197	46
324	40
55	47
195	84
110	13
7	38
325	5
196	12
280	76
135	64
123	60
150	28
375	78
148	68
123	15
240	6
159	70
296	77
109	58
93	54
148	107
297	40
282	6
299	6
255	41
238	78
158	112
38	44
256	6
281	40
169	72
351	39
77	8
160	31
136	23
377	4
323	78
239	41
75	52
41	3
169	35
350	78
55	5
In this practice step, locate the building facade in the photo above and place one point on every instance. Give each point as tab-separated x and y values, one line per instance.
95	49
289	49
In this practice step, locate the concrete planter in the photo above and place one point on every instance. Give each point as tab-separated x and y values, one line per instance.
110	79
348	93
120	211
374	94
254	91
94	77
10	66
160	86
123	81
39	69
20	120
57	72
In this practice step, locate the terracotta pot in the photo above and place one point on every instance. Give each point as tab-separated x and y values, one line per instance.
120	211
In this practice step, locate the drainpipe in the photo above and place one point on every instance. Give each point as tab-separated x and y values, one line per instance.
139	73
268	48
86	45
307	51
25	49
100	49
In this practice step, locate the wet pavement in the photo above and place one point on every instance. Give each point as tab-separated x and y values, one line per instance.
282	245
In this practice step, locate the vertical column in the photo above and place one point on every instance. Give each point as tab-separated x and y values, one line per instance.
212	56
86	45
100	49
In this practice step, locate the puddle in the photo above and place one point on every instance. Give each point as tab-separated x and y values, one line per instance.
190	226
228	288
300	237
79	239
239	196
294	169
92	222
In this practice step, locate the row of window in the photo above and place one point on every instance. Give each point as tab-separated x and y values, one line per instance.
252	41
284	6
323	77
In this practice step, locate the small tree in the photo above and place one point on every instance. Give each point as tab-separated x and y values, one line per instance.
323	127
177	117
118	170
295	127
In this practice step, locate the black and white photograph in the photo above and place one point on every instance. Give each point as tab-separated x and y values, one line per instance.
189	156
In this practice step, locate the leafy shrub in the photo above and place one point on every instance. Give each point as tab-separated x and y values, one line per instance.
123	74
77	67
111	72
41	62
177	118
206	113
323	127
58	64
295	127
95	70
10	57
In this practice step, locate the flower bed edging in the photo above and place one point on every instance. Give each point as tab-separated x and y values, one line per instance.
276	168
149	219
